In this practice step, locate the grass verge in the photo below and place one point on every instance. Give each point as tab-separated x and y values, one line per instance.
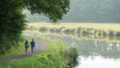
58	55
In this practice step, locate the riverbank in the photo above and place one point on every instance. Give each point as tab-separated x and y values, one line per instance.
58	55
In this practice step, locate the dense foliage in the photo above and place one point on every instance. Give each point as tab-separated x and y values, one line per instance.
12	19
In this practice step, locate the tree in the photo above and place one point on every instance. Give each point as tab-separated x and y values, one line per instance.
12	19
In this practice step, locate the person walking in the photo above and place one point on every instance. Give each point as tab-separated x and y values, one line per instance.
26	46
32	45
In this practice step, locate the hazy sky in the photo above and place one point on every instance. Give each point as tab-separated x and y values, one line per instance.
87	11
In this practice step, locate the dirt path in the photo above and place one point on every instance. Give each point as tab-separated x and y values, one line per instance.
40	47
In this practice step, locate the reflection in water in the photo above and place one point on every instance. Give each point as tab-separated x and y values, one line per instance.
84	33
98	48
94	53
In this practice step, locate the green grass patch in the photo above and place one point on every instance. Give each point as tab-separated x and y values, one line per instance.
58	55
17	50
14	51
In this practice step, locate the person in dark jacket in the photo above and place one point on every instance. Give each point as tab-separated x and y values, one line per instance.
26	46
32	45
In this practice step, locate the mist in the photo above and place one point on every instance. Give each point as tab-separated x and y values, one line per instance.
98	11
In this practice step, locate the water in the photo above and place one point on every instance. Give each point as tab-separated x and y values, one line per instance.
96	53
98	62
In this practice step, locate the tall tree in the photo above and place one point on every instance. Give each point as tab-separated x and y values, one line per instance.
12	19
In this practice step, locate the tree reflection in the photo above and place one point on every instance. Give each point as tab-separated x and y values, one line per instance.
99	48
91	42
93	48
84	33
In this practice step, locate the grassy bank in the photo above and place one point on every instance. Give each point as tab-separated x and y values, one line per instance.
18	49
58	55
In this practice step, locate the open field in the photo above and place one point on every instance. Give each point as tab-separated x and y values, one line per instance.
102	26
95	31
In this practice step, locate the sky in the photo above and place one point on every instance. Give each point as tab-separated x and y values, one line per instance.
105	11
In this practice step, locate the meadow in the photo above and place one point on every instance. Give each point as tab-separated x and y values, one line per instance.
102	26
79	31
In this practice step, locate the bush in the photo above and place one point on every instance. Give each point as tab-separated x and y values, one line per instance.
72	55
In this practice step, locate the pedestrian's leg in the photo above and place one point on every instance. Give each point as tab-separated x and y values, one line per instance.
32	50
26	50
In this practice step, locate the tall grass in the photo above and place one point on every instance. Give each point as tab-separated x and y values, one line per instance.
16	50
89	31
